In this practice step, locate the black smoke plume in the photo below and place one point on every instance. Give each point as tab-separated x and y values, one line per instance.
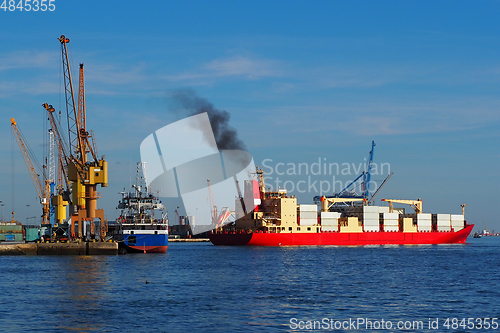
226	137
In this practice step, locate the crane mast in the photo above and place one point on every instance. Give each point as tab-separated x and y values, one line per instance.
51	159
367	176
63	155
73	125
81	99
82	120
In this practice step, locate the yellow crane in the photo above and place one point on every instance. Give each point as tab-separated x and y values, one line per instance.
415	204
84	175
326	203
42	190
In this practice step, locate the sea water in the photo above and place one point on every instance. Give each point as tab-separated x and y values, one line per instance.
199	287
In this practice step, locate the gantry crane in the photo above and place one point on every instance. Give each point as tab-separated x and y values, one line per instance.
83	174
42	190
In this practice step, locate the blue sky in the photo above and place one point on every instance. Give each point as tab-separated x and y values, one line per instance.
302	80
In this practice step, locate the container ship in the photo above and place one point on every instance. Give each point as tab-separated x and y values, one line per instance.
138	229
277	220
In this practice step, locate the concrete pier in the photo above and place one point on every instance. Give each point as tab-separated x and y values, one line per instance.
77	248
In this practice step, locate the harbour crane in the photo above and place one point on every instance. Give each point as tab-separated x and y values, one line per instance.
43	190
213	207
62	150
83	174
60	199
486	230
218	219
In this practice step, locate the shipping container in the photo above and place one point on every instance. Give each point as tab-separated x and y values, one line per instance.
308	208
371	228
308	221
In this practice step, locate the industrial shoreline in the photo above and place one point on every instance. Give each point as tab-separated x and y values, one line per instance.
73	248
70	248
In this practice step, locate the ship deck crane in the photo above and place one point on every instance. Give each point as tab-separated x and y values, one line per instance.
240	197
415	204
327	203
42	190
380	188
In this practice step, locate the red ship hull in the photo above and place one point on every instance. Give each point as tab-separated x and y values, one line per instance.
148	249
341	239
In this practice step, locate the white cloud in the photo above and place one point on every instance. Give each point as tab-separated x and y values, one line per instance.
38	87
115	75
28	59
239	66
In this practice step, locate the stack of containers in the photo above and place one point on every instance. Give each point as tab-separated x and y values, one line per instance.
330	221
443	222
371	218
383	209
424	222
391	222
308	214
457	222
